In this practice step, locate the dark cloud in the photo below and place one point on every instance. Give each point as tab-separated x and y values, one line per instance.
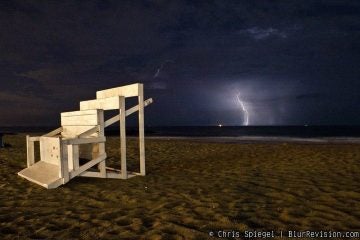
293	62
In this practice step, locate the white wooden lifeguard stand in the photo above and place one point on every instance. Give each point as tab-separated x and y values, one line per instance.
82	135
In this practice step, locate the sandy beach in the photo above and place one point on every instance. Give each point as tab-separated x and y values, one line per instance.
192	187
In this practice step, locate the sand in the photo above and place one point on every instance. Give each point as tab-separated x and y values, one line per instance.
192	187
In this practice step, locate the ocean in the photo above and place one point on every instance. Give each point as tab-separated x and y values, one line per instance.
224	131
240	131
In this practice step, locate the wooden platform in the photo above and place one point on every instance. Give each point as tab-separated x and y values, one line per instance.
43	173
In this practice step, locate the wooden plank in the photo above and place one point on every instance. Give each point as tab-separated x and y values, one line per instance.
125	91
55	184
110	103
77	141
103	103
114	175
64	165
70	156
53	133
34	139
30	155
136	173
50	150
101	146
89	132
113	169
84	120
79	113
91	174
112	120
119	175
127	113
122	138
141	130
87	165
73	157
75	131
136	108
42	173
119	171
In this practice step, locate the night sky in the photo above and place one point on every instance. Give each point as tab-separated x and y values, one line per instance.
203	62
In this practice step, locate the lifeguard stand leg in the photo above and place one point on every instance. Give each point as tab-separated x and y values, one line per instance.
141	130
30	155
122	137
101	146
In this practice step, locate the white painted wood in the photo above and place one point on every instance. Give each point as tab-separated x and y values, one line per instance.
53	133
101	146
141	129
75	131
112	120
127	113
64	165
122	137
87	166
55	184
34	139
90	132
119	175
42	173
78	141
30	151
135	173
94	150
70	156
110	103
125	91
113	169
73	156
91	174
110	169
114	175
79	113
50	150
85	120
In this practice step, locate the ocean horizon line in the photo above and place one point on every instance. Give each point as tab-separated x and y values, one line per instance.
215	131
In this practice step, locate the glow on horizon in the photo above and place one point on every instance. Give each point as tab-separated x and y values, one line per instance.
245	111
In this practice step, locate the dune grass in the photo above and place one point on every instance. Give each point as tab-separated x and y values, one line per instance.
191	188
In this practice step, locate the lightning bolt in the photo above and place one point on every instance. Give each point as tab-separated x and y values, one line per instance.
244	110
